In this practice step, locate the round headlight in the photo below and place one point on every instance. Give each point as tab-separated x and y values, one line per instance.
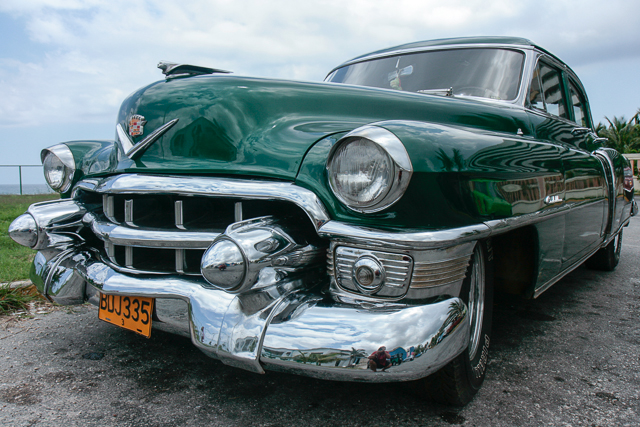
360	173
59	167
369	169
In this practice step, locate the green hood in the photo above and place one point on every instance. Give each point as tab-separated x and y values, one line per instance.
259	127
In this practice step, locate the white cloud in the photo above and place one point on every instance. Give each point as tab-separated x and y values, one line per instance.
99	51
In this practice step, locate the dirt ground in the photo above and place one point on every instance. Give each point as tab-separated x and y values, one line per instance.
568	358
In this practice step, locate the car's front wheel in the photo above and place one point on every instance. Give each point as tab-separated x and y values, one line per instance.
461	379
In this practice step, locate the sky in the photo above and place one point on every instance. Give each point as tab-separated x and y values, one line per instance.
66	65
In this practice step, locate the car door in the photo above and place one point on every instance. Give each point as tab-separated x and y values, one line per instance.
560	114
585	183
545	107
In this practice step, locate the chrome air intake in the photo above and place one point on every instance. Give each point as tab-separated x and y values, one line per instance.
414	274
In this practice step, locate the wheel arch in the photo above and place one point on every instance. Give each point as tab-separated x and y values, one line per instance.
515	257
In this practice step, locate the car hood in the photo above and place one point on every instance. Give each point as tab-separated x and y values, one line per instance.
260	127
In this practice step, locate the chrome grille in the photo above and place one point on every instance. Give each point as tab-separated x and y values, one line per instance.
169	212
161	234
166	233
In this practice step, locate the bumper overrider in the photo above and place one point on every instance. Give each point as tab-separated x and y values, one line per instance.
263	298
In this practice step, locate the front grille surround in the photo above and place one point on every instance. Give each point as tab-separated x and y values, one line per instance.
159	234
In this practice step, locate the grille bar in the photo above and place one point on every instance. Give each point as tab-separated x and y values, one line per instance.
125	236
179	214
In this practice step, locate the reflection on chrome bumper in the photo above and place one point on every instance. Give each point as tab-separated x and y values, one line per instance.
279	327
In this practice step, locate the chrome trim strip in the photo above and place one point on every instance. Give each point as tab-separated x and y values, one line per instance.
125	236
353	234
402	240
125	142
142	146
212	187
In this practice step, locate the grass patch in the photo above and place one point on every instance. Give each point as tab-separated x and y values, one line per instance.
16	299
15	260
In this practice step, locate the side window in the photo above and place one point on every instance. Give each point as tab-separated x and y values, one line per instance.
552	90
545	92
578	105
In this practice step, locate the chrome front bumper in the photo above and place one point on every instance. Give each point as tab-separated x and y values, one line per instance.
279	327
281	322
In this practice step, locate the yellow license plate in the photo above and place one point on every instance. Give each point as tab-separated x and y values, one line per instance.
133	313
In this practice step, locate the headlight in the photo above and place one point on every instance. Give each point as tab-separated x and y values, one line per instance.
369	169
59	167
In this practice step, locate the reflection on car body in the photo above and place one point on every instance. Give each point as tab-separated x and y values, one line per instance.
301	227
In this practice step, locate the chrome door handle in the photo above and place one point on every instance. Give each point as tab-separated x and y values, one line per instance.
580	131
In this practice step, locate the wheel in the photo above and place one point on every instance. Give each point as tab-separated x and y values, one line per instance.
460	380
608	257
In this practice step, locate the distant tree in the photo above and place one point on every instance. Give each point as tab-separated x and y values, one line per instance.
622	135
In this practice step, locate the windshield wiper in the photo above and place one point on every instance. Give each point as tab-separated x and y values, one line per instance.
441	92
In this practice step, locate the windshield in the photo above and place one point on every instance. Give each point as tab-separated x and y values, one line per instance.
481	72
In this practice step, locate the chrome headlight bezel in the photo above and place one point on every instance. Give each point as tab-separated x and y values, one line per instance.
58	156
399	170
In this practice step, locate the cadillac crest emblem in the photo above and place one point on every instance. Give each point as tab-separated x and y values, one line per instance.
136	125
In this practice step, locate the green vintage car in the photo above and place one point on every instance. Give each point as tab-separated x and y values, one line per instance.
298	227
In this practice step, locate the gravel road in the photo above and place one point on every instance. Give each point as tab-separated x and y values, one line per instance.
570	357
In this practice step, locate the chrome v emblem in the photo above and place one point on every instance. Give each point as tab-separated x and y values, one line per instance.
133	151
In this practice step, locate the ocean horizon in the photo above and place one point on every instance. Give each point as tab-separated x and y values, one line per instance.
26	189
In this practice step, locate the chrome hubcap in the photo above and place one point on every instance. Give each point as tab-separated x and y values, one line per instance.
476	301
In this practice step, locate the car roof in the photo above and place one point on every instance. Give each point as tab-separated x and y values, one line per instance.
417	46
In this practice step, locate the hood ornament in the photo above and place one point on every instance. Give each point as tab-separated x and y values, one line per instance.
171	69
136	125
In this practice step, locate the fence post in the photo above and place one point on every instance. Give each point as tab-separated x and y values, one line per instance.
20	173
